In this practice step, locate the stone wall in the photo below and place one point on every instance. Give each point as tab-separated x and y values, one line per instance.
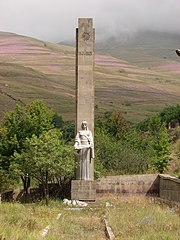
164	186
169	188
147	184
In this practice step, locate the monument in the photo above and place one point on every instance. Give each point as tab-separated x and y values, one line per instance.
85	148
83	187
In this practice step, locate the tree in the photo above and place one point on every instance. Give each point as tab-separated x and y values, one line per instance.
170	114
68	130
44	158
177	152
160	142
36	118
119	156
39	118
115	124
21	123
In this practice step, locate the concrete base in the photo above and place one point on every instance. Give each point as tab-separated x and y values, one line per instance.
83	190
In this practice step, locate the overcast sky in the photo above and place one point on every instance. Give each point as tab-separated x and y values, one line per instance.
56	20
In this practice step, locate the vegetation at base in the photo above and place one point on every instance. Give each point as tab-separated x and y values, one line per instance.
139	218
176	153
28	221
36	142
124	149
45	158
129	218
32	144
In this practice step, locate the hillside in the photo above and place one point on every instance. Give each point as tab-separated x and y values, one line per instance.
139	76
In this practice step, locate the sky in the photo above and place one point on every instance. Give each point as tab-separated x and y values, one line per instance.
56	20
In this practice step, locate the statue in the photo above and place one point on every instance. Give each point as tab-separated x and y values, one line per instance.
85	148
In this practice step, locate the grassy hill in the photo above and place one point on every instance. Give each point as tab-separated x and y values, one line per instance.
31	69
138	76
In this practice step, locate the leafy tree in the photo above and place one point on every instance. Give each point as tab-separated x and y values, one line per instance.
170	114
68	131
44	158
39	118
114	123
160	143
5	181
57	121
21	123
119	156
143	125
12	132
36	118
177	152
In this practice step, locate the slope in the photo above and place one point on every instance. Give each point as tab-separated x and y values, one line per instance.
138	83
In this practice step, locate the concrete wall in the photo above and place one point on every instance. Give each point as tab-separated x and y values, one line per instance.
147	184
164	186
169	188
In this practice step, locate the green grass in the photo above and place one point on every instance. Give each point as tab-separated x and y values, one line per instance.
142	219
28	221
129	218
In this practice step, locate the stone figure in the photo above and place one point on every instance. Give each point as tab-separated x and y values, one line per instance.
85	148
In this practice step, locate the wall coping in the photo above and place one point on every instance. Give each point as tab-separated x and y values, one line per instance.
169	177
130	177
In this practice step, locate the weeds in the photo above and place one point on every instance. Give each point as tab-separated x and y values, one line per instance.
130	218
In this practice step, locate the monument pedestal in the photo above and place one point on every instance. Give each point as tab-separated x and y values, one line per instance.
83	190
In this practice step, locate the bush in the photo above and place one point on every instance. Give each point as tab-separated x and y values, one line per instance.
119	156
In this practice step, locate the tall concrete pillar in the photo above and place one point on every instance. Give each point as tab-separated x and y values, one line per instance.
84	188
85	38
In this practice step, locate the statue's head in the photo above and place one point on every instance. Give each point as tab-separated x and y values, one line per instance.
84	125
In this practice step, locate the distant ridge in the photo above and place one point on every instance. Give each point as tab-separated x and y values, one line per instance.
151	47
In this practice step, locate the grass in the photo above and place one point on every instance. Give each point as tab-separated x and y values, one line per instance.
129	218
139	218
28	221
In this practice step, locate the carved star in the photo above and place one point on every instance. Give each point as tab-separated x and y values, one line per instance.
85	36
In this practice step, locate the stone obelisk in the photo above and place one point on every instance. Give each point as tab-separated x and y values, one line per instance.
85	38
82	189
